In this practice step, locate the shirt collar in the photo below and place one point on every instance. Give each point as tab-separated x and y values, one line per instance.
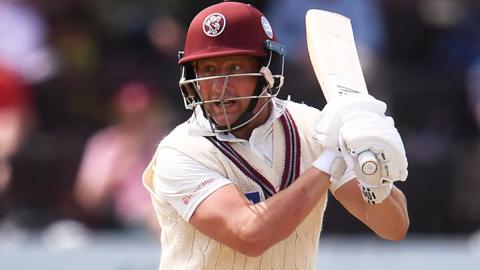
200	126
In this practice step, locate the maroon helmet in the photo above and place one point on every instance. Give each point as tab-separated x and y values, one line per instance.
228	28
225	29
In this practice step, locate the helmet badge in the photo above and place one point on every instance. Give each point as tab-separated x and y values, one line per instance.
214	24
267	27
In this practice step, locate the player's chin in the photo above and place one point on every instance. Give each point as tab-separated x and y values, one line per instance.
223	121
224	117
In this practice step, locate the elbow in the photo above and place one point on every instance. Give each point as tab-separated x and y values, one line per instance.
398	233
402	230
253	250
255	243
397	236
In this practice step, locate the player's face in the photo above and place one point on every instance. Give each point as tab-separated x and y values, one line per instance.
227	113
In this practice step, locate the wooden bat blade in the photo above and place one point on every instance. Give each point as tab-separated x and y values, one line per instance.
333	54
334	57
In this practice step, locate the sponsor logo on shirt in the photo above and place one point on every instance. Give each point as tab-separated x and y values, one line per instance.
254	197
186	198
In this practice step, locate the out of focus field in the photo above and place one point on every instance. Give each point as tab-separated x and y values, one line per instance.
138	251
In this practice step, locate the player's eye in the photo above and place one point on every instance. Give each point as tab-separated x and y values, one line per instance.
234	68
207	70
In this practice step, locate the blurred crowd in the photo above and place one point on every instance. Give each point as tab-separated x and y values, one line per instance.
88	88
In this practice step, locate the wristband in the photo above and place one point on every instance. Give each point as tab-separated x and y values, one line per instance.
332	163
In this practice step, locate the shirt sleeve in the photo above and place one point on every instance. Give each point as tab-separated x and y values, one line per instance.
183	182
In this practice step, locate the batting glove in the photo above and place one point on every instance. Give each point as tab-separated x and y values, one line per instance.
327	132
366	131
333	114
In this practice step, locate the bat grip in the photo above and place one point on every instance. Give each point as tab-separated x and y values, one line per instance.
368	162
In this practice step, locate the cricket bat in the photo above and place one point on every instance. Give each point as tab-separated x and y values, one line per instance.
334	57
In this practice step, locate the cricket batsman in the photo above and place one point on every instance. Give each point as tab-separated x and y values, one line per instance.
243	183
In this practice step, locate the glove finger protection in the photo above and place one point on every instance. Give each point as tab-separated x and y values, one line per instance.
373	188
369	132
328	126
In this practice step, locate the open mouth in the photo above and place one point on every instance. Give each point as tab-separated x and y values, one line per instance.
225	104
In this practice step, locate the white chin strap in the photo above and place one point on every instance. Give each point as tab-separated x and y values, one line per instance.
267	74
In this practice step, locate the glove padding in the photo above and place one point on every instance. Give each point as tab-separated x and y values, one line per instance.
357	123
327	133
372	187
366	131
375	195
328	126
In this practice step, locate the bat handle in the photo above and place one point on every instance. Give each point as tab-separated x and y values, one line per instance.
368	162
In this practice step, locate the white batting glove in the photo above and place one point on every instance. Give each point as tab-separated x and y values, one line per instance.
366	131
373	189
327	133
328	126
332	162
375	195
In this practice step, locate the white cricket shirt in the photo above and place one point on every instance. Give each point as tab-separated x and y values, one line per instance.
198	180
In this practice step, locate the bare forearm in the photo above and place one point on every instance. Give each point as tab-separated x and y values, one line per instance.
253	228
390	218
282	213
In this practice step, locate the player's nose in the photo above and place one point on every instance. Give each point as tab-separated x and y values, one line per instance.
218	85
